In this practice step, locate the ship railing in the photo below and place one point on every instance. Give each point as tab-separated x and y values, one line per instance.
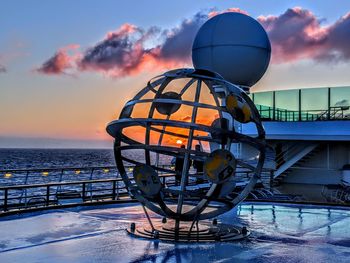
61	193
55	194
269	113
30	176
46	175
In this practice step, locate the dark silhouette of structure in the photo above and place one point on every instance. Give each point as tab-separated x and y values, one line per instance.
198	165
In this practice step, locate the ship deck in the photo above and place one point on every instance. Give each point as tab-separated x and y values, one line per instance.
280	233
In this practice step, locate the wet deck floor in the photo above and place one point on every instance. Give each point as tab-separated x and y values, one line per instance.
279	234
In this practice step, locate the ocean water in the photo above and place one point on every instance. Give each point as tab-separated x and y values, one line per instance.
11	159
79	164
54	158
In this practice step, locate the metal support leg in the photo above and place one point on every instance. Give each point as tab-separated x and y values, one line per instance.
148	218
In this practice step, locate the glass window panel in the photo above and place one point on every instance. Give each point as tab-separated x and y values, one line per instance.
264	104
264	98
287	99
314	99
340	96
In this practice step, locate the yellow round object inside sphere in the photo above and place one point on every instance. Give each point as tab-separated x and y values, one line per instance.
238	109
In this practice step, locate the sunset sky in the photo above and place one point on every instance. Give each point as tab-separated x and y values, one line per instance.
67	67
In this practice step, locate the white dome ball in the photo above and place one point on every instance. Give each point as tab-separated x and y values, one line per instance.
234	45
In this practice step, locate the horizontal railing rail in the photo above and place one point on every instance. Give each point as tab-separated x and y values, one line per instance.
278	114
57	169
33	175
7	175
24	176
14	187
27	196
58	193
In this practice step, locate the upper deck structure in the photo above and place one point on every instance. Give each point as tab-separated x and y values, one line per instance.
308	131
305	114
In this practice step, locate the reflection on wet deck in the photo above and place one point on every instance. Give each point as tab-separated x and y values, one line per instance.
291	233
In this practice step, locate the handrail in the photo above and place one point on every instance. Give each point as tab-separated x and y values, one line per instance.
45	195
26	186
59	173
278	114
58	169
68	168
68	183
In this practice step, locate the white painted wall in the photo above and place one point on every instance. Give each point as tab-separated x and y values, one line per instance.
306	130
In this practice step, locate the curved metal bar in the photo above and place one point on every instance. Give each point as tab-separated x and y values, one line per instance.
161	139
174	101
189	83
184	175
150	115
128	184
173	151
123	123
154	167
115	126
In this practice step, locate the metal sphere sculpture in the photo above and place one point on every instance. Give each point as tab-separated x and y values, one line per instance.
167	110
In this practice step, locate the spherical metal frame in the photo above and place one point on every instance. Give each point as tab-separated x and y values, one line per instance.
158	204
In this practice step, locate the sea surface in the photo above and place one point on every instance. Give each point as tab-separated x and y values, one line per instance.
30	159
42	166
79	164
54	158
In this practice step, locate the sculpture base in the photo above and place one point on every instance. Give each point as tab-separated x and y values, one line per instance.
201	232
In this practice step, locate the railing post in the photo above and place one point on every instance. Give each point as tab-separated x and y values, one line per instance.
47	195
113	191
83	194
329	104
285	115
273	105
25	191
299	105
5	199
118	190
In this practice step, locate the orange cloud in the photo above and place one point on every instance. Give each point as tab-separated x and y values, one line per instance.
295	34
60	62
